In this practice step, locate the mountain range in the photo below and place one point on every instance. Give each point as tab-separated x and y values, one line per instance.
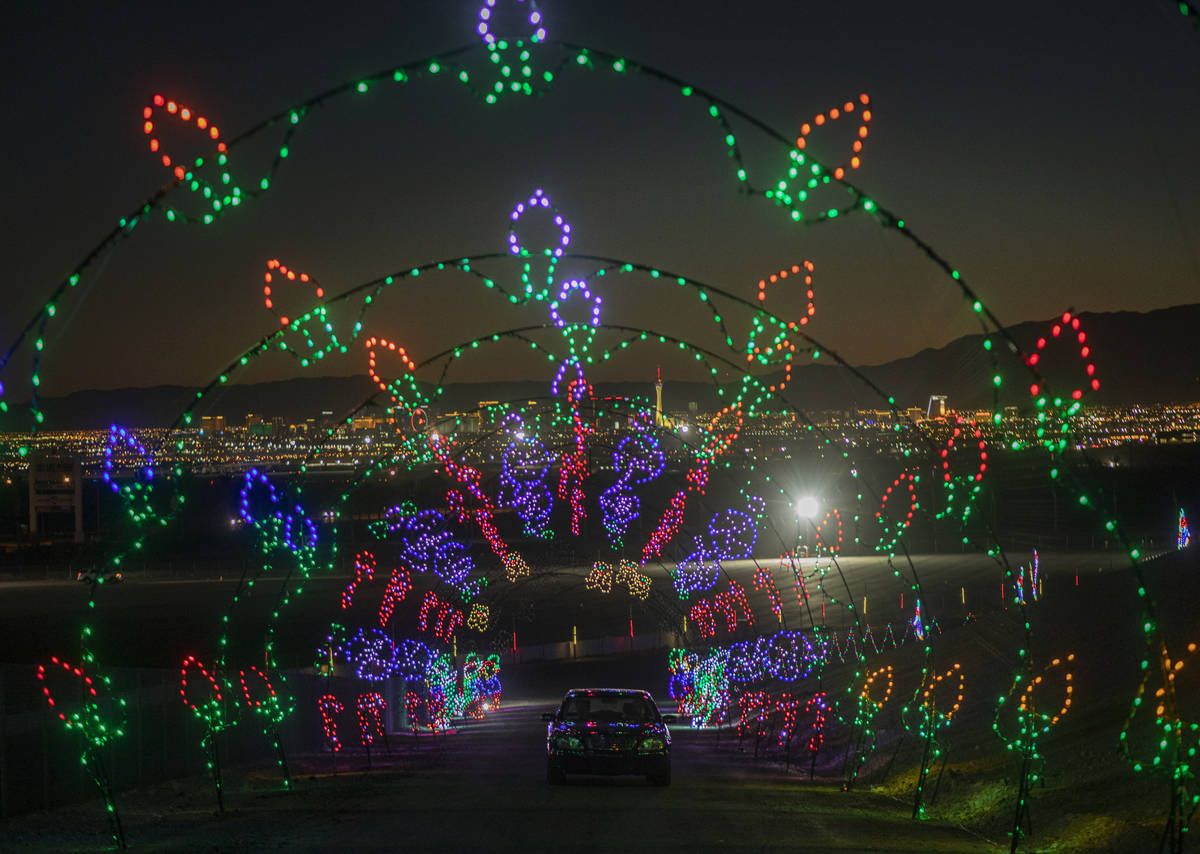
1139	357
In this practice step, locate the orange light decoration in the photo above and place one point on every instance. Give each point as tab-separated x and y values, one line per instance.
515	566
185	115
807	269
1026	703
886	672
478	618
831	517
275	268
834	114
627	573
372	360
929	698
600	578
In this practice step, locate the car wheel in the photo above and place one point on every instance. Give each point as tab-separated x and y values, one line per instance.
663	779
555	775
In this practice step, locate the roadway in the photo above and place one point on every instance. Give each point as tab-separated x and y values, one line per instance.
483	788
153	622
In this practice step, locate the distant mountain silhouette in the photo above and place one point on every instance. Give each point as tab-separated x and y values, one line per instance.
1140	357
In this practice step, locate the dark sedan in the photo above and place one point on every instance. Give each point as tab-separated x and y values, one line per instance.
608	731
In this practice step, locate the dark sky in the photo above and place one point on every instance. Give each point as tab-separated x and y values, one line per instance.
1048	150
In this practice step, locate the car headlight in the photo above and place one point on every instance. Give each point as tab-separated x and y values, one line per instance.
652	745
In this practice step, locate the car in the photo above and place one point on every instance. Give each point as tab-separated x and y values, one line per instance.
96	575
608	731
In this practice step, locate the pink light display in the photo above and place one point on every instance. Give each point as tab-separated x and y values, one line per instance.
371	708
330	707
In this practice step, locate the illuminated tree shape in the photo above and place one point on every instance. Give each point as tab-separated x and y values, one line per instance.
916	624
1184	538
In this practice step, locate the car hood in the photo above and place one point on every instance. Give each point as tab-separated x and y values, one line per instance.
587	729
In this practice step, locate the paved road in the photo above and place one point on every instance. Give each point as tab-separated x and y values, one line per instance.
483	789
153	622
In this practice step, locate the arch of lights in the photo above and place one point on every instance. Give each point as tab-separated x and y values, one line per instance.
667	530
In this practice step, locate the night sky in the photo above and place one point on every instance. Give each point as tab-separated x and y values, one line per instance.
1048	150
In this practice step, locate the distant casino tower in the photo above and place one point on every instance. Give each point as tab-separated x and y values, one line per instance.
658	416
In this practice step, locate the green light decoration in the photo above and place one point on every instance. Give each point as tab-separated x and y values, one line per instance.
1165	746
209	707
927	714
962	481
98	719
872	695
208	188
1020	725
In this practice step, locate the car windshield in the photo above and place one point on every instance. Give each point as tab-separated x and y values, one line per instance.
608	708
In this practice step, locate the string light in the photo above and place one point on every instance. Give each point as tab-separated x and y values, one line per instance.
282	530
330	707
371	708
